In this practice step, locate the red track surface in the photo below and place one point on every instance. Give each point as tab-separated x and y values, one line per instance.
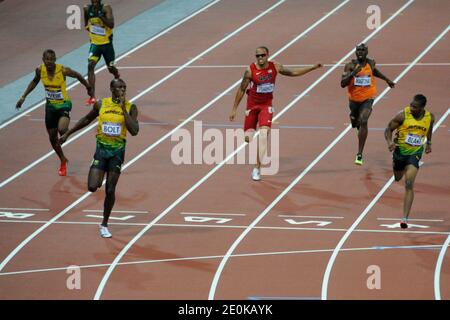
334	187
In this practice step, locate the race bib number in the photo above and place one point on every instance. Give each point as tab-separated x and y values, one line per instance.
100	31
265	88
111	129
414	140
362	81
54	95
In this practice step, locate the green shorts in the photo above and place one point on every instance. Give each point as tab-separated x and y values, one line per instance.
108	160
105	50
55	112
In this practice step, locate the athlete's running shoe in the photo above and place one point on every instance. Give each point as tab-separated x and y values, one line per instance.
256	174
404	223
90	101
104	232
359	160
63	169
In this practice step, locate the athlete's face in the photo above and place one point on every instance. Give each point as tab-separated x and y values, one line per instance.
416	108
49	60
118	89
261	56
361	53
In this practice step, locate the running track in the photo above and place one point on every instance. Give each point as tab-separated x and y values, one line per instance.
283	254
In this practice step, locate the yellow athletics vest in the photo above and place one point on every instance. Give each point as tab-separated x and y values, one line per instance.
111	129
55	89
412	134
99	33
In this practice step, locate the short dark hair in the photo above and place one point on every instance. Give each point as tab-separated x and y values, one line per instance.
49	51
265	48
420	98
114	80
362	46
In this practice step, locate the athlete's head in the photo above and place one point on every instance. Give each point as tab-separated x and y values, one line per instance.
49	58
418	104
361	51
96	3
262	55
118	87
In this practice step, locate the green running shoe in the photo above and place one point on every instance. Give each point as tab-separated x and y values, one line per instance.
358	160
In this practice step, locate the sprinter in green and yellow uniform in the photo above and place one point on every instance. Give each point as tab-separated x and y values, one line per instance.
58	104
414	128
99	22
116	116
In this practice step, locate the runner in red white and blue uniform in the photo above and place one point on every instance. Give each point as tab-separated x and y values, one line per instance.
261	77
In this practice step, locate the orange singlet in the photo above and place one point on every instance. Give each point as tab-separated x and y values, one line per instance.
362	86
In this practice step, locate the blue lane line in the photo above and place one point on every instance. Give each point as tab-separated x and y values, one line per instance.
405	247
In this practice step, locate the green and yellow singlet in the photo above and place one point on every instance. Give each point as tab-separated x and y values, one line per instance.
55	88
111	129
99	33
411	135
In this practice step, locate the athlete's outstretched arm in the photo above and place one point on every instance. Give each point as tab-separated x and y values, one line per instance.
392	126
377	73
31	86
73	74
429	135
85	16
83	122
295	71
240	92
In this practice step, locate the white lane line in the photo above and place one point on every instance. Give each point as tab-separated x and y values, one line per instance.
131	162
181	225
256	254
438	64
118	211
302	174
325	217
212	214
437	271
327	273
190	190
118	59
24	209
425	220
170	75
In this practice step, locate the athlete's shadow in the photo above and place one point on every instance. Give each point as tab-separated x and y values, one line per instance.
149	259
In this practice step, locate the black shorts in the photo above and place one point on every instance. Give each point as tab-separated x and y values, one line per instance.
107	160
53	115
356	107
400	161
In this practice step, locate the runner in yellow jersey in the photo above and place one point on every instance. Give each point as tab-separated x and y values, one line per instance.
99	22
116	116
58	104
414	127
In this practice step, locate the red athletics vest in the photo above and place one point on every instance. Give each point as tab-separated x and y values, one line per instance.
261	86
